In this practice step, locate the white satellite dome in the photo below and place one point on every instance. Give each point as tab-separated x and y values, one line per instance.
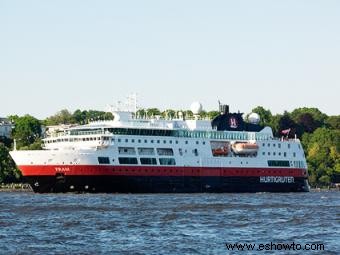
254	118
196	108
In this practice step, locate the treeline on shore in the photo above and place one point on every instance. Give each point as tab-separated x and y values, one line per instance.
319	134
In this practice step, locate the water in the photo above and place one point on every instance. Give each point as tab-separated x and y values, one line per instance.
166	223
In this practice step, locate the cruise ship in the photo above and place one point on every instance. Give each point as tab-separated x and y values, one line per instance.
130	154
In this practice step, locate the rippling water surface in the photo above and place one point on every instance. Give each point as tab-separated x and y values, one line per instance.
165	223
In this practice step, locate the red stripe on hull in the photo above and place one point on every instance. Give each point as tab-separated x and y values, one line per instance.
102	170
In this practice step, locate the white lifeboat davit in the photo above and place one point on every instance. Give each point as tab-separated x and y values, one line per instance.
245	148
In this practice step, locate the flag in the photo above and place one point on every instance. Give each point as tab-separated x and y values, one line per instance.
285	131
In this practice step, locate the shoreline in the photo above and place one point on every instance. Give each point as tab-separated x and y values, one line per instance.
24	187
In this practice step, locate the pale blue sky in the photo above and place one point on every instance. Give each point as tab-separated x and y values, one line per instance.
87	54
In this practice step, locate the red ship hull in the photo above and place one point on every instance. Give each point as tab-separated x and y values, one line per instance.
151	179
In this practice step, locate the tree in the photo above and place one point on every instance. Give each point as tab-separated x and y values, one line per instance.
318	116
79	116
141	113
323	155
61	117
275	124
333	122
8	172
27	130
93	115
169	114
188	114
152	112
6	141
265	115
213	114
286	122
307	123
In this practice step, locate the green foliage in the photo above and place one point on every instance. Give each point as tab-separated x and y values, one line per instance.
188	114
62	117
169	114
34	146
141	113
307	119
286	122
317	115
78	117
323	155
275	124
8	172
93	115
333	122
265	115
152	112
212	114
6	141
27	130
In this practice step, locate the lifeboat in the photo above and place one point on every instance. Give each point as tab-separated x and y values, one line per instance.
245	148
221	151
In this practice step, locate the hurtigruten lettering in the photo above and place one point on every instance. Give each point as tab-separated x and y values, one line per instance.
277	179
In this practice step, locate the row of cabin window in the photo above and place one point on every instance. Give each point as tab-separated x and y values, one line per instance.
78	139
187	133
278	145
146	151
157	141
134	161
279	153
274	153
160	151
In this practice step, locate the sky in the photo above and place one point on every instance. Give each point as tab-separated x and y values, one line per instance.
82	54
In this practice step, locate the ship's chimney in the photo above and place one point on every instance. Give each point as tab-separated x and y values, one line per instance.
224	108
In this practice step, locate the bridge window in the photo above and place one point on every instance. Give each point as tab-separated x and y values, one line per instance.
128	161
103	160
167	161
148	161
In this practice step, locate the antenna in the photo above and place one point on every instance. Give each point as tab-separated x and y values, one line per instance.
132	103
